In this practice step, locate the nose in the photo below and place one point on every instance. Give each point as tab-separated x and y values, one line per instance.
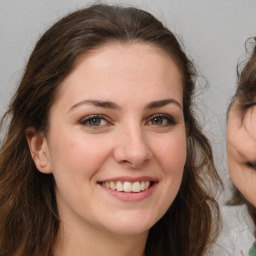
132	147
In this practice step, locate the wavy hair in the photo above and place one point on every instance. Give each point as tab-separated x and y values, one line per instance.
29	219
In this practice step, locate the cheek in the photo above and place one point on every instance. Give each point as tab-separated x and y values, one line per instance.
77	153
172	154
244	179
172	157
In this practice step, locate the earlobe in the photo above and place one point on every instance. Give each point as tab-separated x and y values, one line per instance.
39	150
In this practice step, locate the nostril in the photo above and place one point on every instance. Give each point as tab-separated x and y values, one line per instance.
132	151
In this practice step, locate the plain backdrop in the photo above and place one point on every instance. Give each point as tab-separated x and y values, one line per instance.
213	34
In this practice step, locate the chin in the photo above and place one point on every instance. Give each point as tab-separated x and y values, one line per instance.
131	230
130	225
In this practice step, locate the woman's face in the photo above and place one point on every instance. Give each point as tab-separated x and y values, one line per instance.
116	144
241	150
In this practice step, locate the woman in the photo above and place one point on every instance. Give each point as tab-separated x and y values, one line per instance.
103	154
241	140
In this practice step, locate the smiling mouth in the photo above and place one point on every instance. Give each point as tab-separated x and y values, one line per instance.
127	186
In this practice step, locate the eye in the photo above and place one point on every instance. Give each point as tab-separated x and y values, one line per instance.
251	165
94	121
161	120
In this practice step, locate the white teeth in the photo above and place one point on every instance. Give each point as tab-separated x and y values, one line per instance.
142	185
127	186
136	187
119	186
112	185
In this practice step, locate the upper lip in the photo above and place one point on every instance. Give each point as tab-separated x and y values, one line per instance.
130	179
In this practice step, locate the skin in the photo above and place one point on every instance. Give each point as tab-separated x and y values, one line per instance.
241	150
141	133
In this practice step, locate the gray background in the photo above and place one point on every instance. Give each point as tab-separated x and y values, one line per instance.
213	33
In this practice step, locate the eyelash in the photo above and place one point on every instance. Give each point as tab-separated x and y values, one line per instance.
251	165
86	121
170	120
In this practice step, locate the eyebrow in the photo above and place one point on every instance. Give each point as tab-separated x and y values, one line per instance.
112	105
96	103
162	103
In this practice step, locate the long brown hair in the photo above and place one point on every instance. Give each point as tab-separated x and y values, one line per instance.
29	218
245	97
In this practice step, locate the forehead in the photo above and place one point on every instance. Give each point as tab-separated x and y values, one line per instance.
125	49
123	66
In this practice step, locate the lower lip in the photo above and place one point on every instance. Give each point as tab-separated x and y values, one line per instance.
129	196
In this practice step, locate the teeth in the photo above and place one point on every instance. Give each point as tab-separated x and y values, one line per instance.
127	186
142	185
119	186
136	187
112	185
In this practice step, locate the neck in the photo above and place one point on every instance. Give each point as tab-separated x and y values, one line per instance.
98	243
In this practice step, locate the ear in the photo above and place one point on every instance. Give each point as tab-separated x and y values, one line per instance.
38	146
